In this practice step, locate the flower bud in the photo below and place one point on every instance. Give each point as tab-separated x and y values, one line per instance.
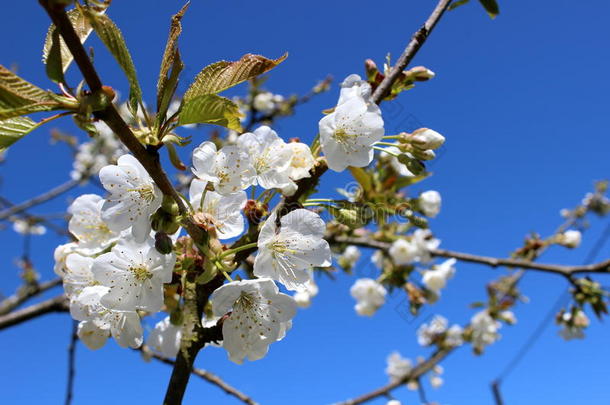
420	73
426	154
163	243
415	166
425	138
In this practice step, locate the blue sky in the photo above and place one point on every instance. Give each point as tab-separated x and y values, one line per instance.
523	103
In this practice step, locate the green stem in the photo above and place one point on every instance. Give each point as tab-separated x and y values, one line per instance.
386	144
386	151
237	249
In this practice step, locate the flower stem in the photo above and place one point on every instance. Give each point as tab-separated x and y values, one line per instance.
237	249
389	152
386	144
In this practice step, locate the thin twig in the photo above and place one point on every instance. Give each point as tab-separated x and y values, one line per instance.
57	304
204	374
25	293
418	39
600	267
71	363
49	195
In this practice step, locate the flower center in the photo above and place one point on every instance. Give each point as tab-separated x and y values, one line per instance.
146	192
342	136
141	273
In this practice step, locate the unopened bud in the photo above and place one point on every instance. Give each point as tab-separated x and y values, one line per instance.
426	154
163	243
420	73
425	138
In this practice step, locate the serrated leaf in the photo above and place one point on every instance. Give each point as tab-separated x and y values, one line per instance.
13	129
210	109
222	75
456	4
55	51
17	92
171	66
112	37
491	6
20	97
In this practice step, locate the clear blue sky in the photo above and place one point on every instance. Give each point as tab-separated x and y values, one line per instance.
523	103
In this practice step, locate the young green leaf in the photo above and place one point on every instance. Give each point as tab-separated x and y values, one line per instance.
13	129
55	53
491	6
456	4
112	37
363	178
210	109
20	97
221	75
171	66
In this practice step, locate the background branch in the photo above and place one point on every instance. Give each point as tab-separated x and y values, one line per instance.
49	195
26	292
57	304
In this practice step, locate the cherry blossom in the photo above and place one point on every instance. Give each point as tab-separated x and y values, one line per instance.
135	273
270	157
133	198
87	225
430	203
369	296
223	212
398	367
288	252
228	169
256	312
165	338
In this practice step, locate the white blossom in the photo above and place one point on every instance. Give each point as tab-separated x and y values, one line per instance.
221	211
266	102
60	254
350	256
455	336
305	293
427	333
398	167
369	296
133	198
398	367
270	157
165	338
78	274
258	317
435	381
98	321
348	134
393	402
87	225
135	274
508	317
484	330
430	203
228	169
286	254
26	228
574	325
301	161
570	238
435	279
403	251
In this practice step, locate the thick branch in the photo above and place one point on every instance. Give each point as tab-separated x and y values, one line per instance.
49	195
206	375
418	371
410	51
25	293
57	304
601	267
149	158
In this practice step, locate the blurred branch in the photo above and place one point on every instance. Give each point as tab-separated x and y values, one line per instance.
71	362
416	372
57	304
601	267
418	39
49	195
26	292
206	375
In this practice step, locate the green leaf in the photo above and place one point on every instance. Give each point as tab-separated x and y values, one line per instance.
222	75
210	109
456	4
55	53
13	129
171	66
112	37
491	6
20	97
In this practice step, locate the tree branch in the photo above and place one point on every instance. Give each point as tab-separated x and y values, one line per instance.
71	362
601	267
206	375
149	158
418	371
418	39
25	293
57	304
49	195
